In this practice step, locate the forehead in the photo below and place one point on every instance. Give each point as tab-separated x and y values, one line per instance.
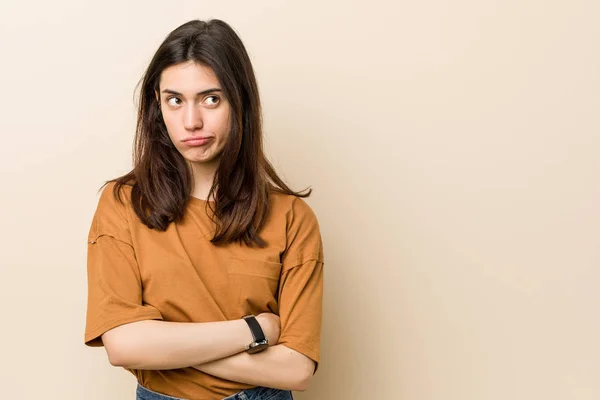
188	77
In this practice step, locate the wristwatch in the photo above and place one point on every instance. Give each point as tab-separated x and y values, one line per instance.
260	342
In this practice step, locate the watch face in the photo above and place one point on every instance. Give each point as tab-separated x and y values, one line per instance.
257	347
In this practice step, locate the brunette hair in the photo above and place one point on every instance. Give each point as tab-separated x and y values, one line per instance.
161	179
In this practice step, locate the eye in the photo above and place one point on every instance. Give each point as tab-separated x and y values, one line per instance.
172	101
212	100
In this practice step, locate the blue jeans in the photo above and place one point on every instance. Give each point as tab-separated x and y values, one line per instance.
257	393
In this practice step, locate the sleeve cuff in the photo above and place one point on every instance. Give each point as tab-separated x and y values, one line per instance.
304	350
93	335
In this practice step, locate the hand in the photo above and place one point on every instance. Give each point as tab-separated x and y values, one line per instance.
271	326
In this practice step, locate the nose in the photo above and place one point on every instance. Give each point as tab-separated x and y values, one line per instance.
192	118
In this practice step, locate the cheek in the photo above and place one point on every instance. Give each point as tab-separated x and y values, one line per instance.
225	123
171	125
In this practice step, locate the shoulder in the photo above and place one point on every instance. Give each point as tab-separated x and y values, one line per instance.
303	236
113	212
293	207
113	201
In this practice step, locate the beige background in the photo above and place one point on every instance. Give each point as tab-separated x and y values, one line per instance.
453	150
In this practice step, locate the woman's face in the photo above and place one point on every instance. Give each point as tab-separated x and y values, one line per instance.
195	111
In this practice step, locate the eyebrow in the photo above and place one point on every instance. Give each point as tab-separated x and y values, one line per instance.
207	91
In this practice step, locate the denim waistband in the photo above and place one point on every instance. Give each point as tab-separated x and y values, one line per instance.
257	393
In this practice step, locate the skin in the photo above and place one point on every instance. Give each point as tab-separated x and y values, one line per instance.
192	104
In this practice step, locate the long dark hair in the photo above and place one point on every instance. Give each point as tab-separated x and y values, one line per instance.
161	179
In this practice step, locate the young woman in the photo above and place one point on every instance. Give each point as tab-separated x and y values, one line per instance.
205	271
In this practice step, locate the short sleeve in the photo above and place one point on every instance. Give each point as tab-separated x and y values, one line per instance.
114	281
301	283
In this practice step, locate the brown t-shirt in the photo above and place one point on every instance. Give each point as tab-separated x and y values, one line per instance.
136	273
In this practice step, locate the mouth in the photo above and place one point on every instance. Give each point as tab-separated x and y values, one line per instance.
197	141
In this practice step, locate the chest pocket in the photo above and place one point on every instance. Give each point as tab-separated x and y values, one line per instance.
254	285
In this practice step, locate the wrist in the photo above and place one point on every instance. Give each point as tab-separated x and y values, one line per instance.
259	340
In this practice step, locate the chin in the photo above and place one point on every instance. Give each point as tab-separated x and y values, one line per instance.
201	156
202	160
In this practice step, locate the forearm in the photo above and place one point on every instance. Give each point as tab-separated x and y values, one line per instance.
277	367
161	345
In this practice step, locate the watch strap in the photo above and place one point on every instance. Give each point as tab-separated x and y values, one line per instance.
257	332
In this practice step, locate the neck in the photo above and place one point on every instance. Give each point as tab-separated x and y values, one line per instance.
203	175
